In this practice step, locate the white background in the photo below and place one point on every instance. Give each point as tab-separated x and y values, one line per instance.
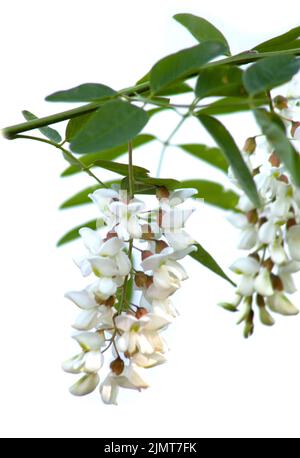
215	383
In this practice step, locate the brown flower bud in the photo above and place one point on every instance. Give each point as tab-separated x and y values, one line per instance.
146	232
117	366
295	125
252	216
141	311
110	302
280	102
277	283
140	279
110	235
146	254
290	223
250	145
260	300
268	264
284	179
162	192
160	245
274	160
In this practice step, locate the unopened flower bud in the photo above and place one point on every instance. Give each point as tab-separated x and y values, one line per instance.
280	102
274	160
117	366
291	222
141	311
110	302
140	279
111	235
249	325
162	192
160	245
277	283
295	126
268	264
252	216
265	317
250	145
147	234
146	254
260	300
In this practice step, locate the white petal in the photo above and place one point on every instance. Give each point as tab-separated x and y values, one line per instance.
109	390
246	286
90	340
106	287
179	240
91	239
93	361
156	260
175	218
288	283
293	241
103	267
111	247
290	267
123	264
156	322
123	341
267	232
83	299
85	385
86	320
245	266
143	345
74	365
132	378
277	252
125	322
148	361
238	220
245	204
279	303
248	238
263	284
180	195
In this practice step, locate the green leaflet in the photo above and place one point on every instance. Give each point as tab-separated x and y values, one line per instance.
110	154
213	193
202	29
50	133
182	64
87	92
220	81
269	73
230	105
202	256
288	40
114	123
274	130
212	155
121	169
225	141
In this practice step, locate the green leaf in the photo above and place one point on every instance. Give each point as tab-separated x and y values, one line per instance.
83	93
110	154
50	133
75	124
274	130
82	197
202	30
220	81
121	169
213	156
73	234
176	89
225	141
169	183
112	124
229	105
269	73
202	256
182	64
213	193
281	42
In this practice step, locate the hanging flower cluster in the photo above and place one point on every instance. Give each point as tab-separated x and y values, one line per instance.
109	318
270	234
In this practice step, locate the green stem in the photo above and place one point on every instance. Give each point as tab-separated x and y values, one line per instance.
66	153
271	105
240	59
177	127
130	171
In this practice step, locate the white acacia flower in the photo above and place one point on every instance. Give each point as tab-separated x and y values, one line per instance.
102	198
247	268
177	197
263	283
267	232
130	378
125	219
86	385
248	234
140	334
90	360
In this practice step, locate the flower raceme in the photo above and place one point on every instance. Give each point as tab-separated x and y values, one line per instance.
109	319
270	234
